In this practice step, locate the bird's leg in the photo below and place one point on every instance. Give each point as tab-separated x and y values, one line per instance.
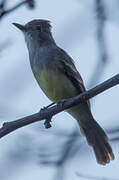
50	105
46	107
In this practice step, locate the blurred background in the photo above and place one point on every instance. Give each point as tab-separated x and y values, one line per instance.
89	31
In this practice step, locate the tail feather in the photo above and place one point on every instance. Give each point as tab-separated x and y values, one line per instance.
97	138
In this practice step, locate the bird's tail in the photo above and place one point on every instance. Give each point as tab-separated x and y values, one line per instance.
97	138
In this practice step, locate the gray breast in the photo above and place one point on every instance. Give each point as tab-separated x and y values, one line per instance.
41	57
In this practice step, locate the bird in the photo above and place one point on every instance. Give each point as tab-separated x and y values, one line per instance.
57	76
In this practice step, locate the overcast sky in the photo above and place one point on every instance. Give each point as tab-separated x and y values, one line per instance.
74	29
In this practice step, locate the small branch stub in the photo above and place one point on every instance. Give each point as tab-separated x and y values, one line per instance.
47	123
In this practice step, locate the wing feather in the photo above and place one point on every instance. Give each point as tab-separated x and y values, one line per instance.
67	66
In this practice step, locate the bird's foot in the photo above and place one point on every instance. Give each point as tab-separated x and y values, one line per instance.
61	103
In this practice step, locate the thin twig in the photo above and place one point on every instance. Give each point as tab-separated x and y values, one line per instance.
8	127
4	12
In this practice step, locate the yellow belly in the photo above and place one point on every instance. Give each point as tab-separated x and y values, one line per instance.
55	85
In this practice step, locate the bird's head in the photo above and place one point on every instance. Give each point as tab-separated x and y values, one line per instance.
37	25
38	29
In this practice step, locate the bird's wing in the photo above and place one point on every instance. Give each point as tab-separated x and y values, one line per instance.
68	68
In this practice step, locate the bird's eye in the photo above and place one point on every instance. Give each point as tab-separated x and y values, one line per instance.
38	28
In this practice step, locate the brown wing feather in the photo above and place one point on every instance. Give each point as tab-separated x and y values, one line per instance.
68	67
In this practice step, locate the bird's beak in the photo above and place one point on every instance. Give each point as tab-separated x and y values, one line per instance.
19	26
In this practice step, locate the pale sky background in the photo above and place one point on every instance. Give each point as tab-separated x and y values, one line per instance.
74	29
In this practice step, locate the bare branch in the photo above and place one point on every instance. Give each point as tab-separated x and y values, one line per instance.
5	12
8	127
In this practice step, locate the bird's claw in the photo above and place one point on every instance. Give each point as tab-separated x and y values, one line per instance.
61	103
